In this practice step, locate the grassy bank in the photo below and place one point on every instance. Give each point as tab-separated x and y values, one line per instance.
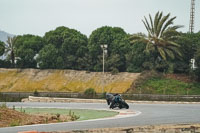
169	87
171	84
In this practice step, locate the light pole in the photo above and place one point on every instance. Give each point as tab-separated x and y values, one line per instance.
104	48
193	67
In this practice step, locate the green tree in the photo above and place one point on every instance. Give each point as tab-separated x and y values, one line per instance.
2	48
70	46
74	49
161	36
10	49
188	46
136	59
27	47
49	57
118	44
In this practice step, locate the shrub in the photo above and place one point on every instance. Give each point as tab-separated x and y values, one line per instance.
114	71
73	116
15	123
103	96
36	93
90	92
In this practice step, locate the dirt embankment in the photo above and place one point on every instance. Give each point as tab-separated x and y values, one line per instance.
11	117
29	80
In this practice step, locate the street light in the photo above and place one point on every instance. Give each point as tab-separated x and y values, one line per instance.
193	67
104	48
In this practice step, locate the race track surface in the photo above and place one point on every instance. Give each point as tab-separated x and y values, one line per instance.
151	114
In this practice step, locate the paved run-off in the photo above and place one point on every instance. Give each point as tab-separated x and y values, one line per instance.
29	80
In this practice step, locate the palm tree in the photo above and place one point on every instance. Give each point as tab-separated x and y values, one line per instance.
2	48
161	36
10	49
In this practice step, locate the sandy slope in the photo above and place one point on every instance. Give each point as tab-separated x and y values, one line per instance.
27	80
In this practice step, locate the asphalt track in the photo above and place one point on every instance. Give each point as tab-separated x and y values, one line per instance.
151	114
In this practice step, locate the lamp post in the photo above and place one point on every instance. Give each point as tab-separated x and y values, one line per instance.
104	48
193	67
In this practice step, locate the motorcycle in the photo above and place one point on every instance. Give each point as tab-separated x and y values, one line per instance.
116	100
121	104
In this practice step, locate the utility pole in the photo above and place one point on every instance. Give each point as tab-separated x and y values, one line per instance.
192	15
191	27
104	48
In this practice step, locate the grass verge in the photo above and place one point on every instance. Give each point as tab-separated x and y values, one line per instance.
152	82
83	114
170	87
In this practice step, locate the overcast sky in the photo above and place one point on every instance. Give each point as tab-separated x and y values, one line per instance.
39	16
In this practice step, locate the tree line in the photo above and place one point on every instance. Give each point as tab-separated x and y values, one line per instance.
164	49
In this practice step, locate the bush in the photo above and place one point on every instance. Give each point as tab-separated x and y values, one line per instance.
90	92
103	96
73	116
36	93
5	64
114	71
15	123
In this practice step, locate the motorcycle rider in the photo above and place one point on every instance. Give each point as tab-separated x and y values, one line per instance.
112	98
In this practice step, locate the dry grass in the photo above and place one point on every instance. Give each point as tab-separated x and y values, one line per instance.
29	80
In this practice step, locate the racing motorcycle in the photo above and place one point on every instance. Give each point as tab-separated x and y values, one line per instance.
116	100
121	104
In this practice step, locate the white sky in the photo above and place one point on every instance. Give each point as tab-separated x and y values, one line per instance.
39	16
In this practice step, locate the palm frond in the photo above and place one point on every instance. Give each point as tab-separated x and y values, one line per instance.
170	53
176	50
162	53
173	43
150	47
175	27
152	27
157	20
160	24
169	22
137	38
162	42
148	26
8	41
